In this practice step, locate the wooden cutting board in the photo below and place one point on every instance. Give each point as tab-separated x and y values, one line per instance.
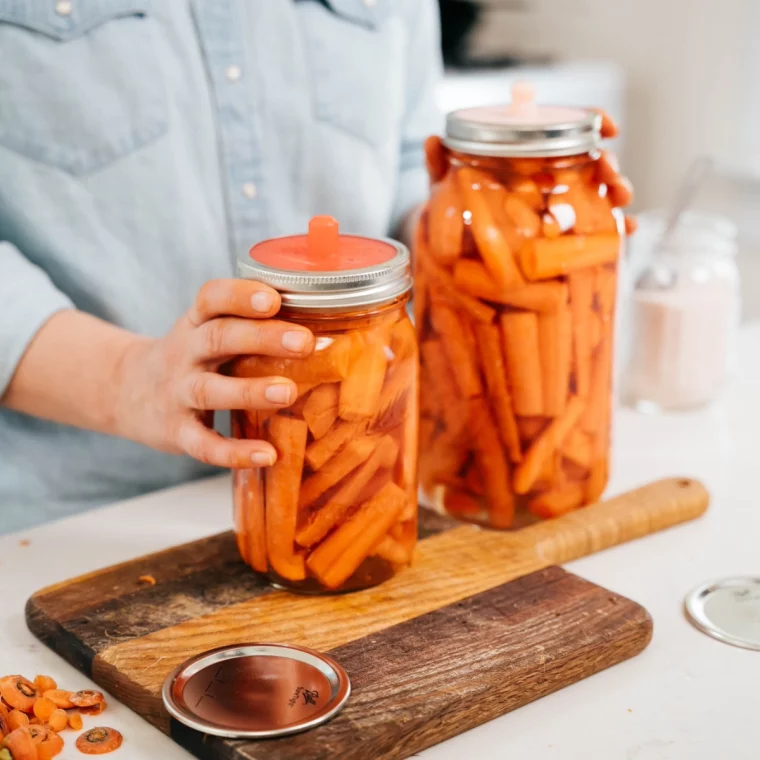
484	622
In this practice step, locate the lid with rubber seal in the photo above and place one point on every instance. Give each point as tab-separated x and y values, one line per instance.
523	128
326	271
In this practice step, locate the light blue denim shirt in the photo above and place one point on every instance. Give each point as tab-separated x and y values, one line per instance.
145	144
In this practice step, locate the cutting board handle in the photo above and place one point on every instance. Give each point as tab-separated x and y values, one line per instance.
631	515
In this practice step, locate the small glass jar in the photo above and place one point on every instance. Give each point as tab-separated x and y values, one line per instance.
517	254
338	510
684	313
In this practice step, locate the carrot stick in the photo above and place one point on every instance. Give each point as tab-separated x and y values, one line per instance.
398	383
597	480
489	238
606	287
321	408
595	329
492	361
581	297
542	258
531	427
326	518
255	522
354	454
360	391
336	558
283	481
461	355
519	332
444	288
421	291
407	462
492	462
392	551
528	191
461	503
558	501
403	340
577	448
442	460
473	278
321	451
526	220
452	406
555	341
599	388
527	472
445	222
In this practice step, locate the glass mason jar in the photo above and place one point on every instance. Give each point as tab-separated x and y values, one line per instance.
516	277
684	313
338	510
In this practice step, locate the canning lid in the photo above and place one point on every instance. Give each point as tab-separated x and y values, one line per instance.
727	610
327	271
256	691
523	128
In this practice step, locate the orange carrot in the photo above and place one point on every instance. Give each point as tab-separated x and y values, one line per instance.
255	519
399	382
531	427
445	289
606	286
99	741
421	285
60	698
461	503
436	159
525	219
336	558
453	409
360	391
597	480
527	190
75	721
43	709
555	340
519	331
472	277
355	453
321	408
558	501
403	340
528	471
460	355
20	744
18	693
474	480
445	222
326	518
489	238
550	226
17	719
577	448
58	720
392	551
599	388
441	460
87	698
581	297
283	481
406	464
595	329
490	353
321	451
44	683
543	258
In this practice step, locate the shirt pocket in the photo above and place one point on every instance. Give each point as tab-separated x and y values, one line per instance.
355	52
80	85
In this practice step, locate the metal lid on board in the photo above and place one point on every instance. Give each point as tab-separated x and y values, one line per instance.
256	691
523	128
727	610
327	271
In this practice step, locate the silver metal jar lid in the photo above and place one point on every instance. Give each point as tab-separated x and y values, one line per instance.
256	691
727	610
523	129
336	289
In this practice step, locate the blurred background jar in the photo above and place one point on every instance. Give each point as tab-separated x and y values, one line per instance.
682	313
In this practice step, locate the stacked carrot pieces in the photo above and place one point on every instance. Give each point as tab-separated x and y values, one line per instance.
34	713
515	291
338	509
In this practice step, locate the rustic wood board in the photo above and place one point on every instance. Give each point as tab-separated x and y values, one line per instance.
482	624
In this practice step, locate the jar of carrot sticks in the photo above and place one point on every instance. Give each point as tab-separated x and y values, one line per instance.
338	510
516	263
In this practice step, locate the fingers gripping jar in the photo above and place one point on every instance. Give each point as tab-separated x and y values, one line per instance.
338	510
516	269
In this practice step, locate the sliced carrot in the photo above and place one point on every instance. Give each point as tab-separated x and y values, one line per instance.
577	448
492	361
18	693
336	558
283	481
326	518
555	341
59	698
461	356
392	551
445	222
403	340
521	348
20	744
436	159
525	219
360	391
4	713
399	382
452	405
49	744
58	720
254	512
99	741
542	258
44	683
321	408
75	721
443	288
558	501
599	396
16	719
320	452
95	709
86	698
581	297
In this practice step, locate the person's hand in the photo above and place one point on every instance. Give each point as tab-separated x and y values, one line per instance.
170	387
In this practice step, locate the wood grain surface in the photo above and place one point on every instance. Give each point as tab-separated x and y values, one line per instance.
129	637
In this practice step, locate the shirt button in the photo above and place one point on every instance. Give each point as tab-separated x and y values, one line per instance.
249	190
63	7
233	73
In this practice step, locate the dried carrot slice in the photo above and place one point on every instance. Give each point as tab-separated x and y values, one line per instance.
44	683
392	551
526	220
43	709
558	501
283	481
445	289
321	408
326	518
75	721
20	744
18	693
99	741
360	391
435	158
336	558
320	452
59	698
581	298
58	720
86	698
445	222
555	340
527	472
489	238
16	719
542	258
519	332
492	361
461	356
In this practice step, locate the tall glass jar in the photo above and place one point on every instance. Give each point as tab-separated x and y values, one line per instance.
338	510
516	253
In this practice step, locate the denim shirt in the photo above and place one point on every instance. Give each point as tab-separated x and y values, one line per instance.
144	144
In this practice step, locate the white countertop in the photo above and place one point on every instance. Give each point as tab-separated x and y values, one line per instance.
686	697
